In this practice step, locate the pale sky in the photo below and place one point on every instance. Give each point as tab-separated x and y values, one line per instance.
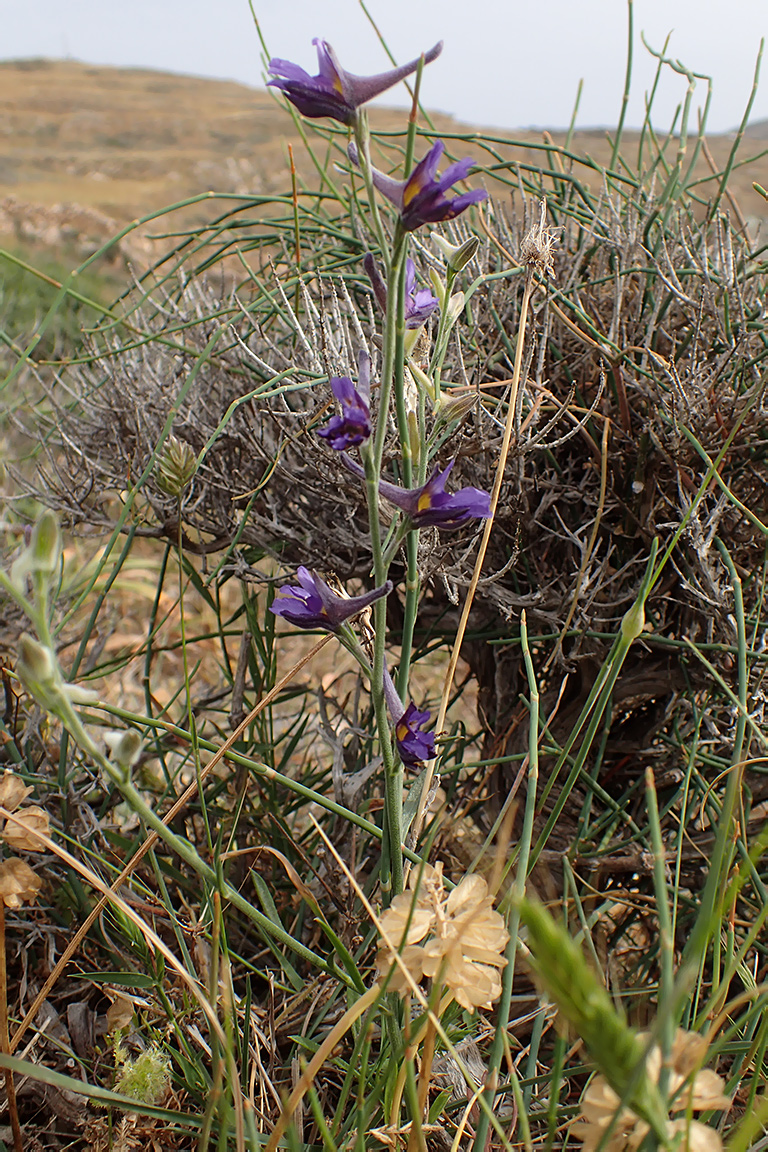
506	63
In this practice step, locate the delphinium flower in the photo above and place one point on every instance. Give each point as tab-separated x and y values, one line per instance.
456	939
414	745
421	198
419	303
314	605
335	92
688	1090
431	505
353	426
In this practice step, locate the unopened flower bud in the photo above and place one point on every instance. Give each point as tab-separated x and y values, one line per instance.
175	467
633	622
35	666
45	544
124	746
456	256
438	286
449	409
454	309
420	376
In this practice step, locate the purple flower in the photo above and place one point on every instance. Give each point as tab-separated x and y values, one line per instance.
354	424
421	198
314	605
431	504
419	305
334	92
412	744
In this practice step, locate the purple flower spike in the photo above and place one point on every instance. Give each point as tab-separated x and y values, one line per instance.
353	426
421	198
419	305
412	744
334	92
431	505
315	605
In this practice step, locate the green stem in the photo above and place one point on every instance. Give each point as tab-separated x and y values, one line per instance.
363	141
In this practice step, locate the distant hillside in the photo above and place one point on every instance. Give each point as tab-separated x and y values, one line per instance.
119	143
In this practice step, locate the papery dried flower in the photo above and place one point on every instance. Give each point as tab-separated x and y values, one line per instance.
687	1090
421	198
19	831
458	940
703	1090
315	605
335	92
13	790
18	883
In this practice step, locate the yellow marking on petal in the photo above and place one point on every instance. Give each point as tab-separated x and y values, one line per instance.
411	190
401	730
424	502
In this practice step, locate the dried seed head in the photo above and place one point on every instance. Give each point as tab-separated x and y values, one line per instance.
17	883
536	249
175	467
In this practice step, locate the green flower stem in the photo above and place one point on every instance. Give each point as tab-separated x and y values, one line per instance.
363	141
412	587
393	772
412	539
372	458
443	332
390	337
